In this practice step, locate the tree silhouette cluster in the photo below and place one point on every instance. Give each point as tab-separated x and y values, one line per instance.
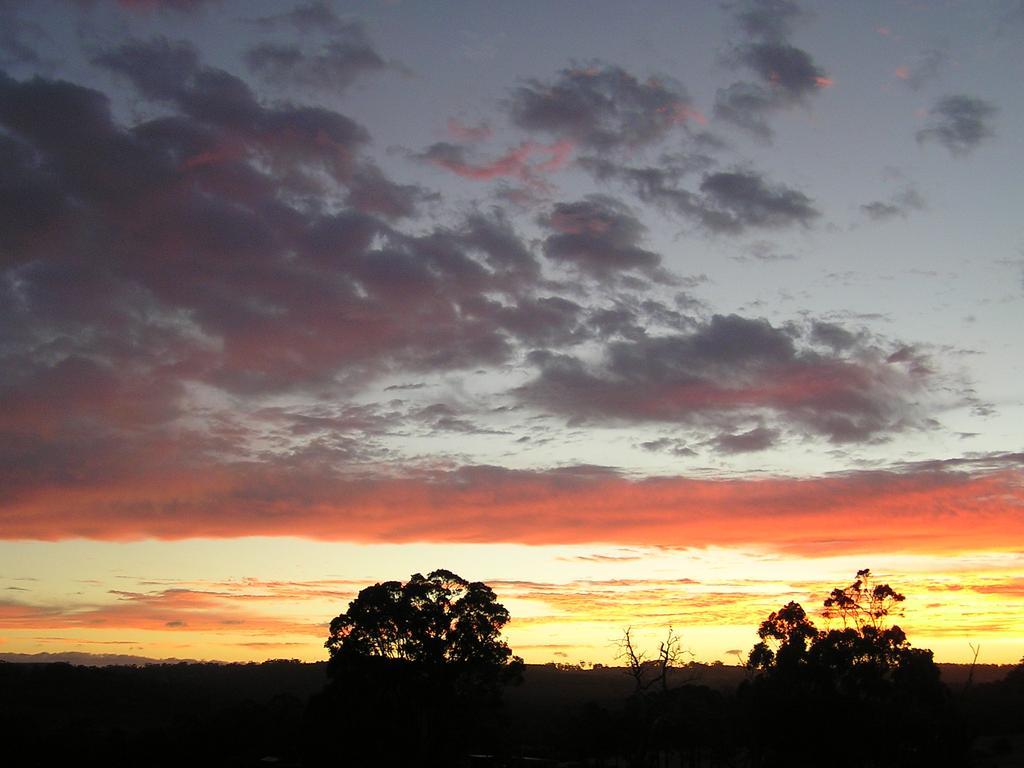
416	672
858	693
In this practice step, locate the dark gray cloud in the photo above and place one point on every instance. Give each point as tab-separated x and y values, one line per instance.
441	418
30	196
333	67
600	237
733	368
959	123
747	106
668	445
314	17
549	321
833	335
145	248
787	75
764	252
370	191
767	20
725	202
601	106
784	68
752	441
736	200
170	72
18	36
900	205
182	6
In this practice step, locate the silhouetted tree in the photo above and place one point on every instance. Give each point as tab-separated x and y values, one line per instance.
658	717
415	669
859	694
646	671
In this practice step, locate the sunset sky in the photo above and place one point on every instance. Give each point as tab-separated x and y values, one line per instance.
647	314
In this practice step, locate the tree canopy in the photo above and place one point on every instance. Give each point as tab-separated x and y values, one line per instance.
863	691
433	621
417	670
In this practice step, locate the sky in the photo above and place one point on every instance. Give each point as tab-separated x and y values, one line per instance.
648	315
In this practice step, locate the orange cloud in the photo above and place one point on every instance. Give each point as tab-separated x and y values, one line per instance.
923	509
167	610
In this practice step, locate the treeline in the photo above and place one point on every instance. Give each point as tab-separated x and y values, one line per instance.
240	714
419	675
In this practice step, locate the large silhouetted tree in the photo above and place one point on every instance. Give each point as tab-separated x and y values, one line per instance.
857	693
415	669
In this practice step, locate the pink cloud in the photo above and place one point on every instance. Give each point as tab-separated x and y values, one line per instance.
167	610
923	509
522	162
468	133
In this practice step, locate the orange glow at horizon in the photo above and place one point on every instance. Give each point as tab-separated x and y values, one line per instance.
567	604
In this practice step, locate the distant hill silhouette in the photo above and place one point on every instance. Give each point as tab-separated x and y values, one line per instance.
90	659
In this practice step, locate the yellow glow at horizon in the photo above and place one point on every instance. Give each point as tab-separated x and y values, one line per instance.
568	603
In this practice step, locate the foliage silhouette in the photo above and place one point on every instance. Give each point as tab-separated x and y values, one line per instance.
416	672
860	694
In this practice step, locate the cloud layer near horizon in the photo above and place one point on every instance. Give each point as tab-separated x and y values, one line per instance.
961	506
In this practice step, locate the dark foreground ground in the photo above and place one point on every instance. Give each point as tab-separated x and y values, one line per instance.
192	714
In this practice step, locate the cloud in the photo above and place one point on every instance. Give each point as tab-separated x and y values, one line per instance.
730	368
526	162
468	133
725	202
757	439
764	252
747	106
784	67
183	6
334	67
313	17
30	196
924	69
370	191
768	20
959	123
170	609
601	106
737	200
787	75
233	244
172	278
598	236
918	508
665	444
900	205
833	335
17	37
170	72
